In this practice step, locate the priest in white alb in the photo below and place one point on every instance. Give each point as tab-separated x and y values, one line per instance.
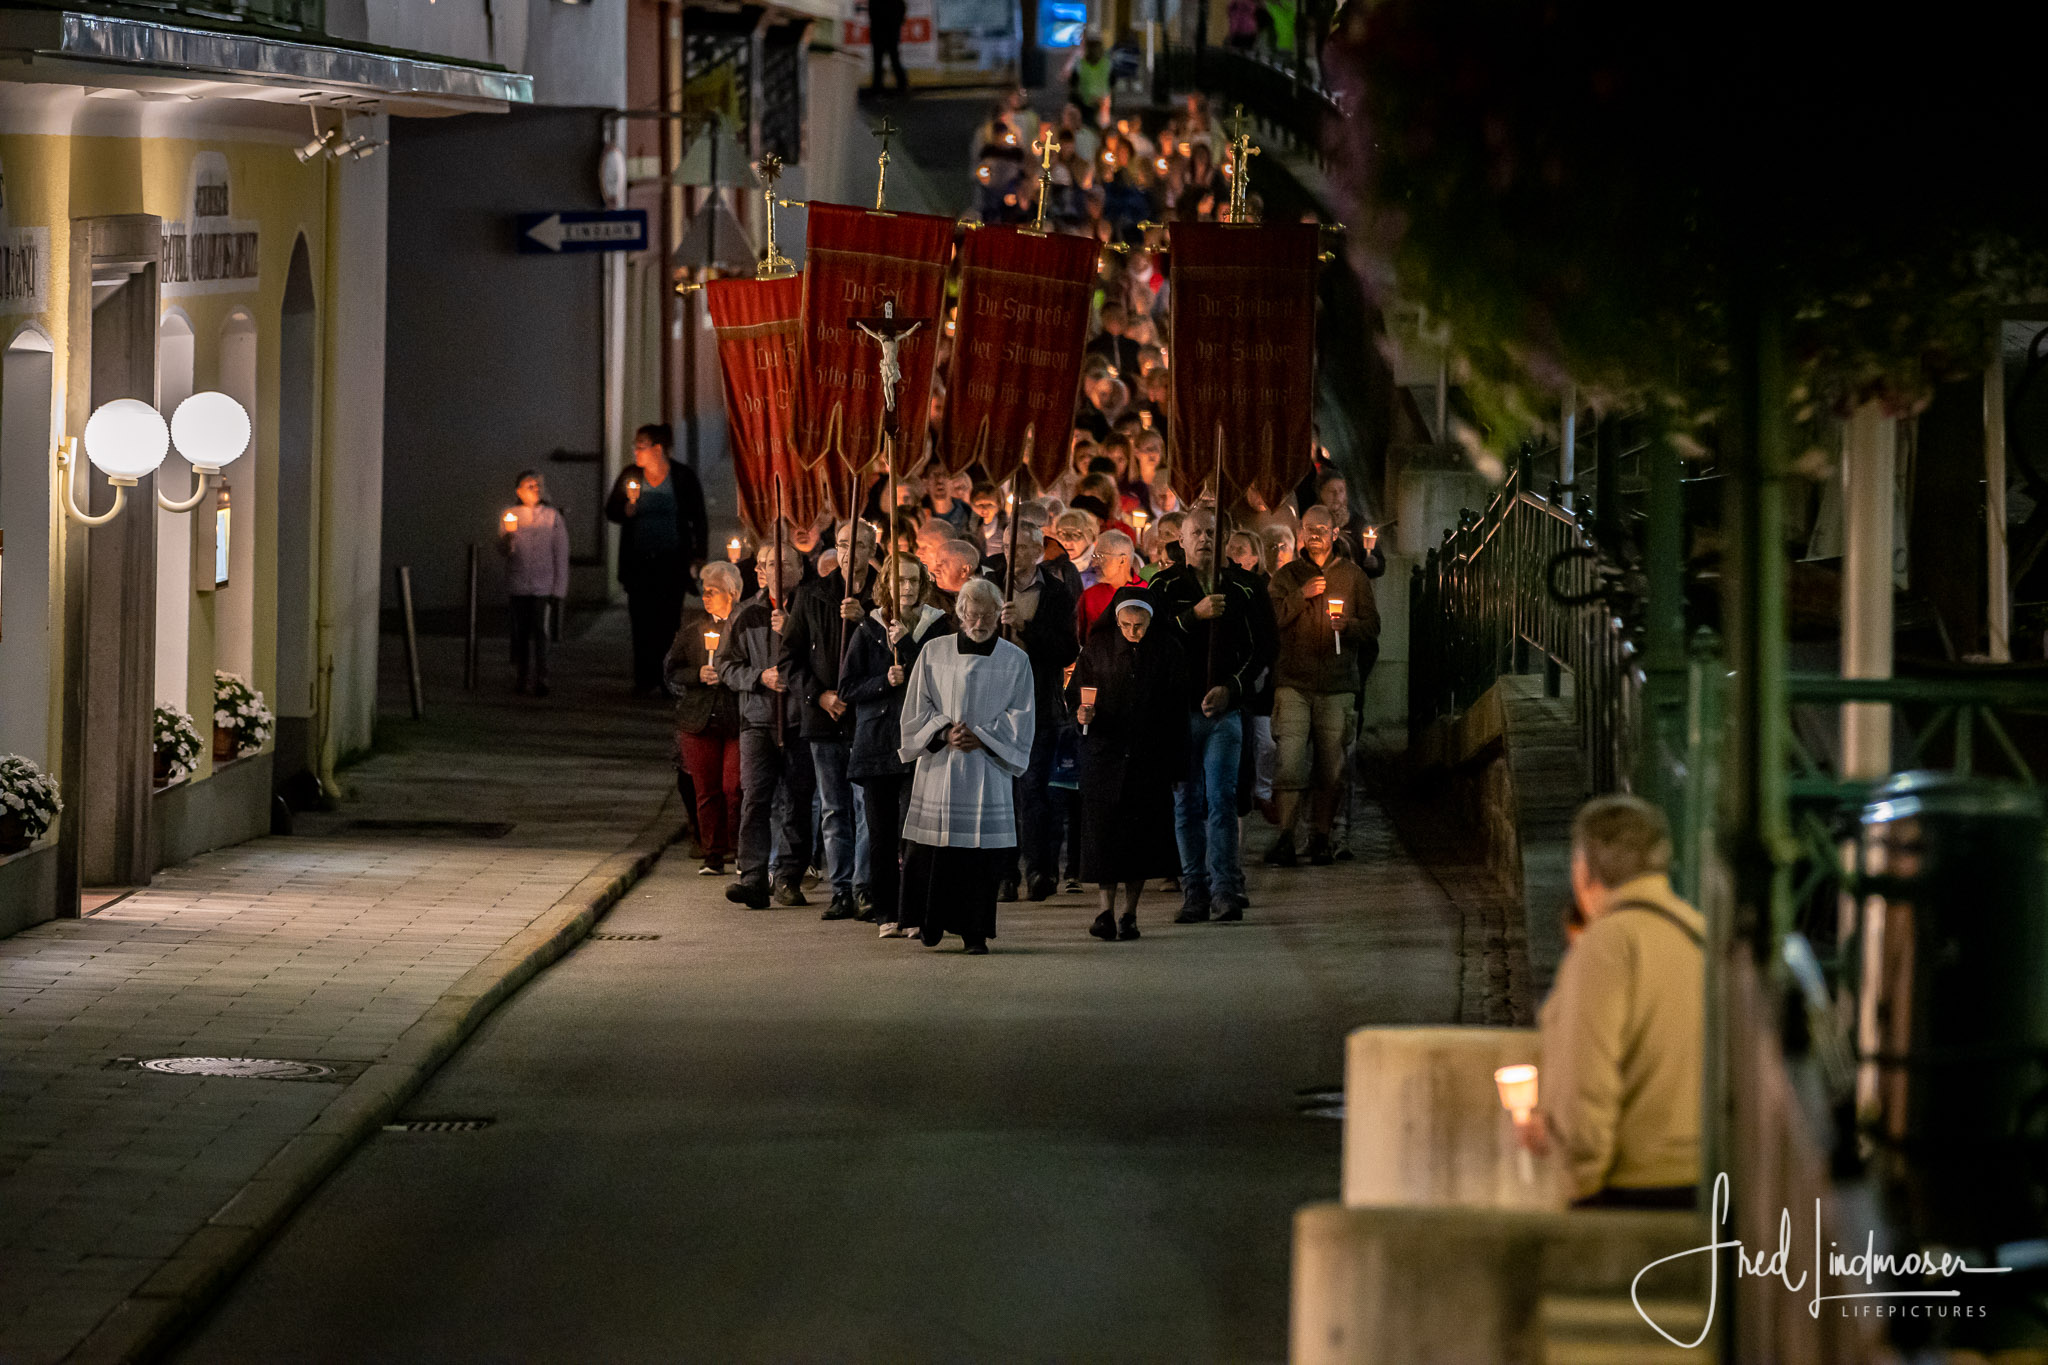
967	724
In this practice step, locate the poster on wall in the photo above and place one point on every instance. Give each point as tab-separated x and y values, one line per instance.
210	251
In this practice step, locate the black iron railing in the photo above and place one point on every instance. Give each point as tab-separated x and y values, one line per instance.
1287	103
1524	575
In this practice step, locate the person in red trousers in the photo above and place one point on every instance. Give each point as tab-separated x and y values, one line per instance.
708	718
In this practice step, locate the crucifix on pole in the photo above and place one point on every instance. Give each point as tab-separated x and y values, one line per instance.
885	130
1046	151
888	333
1241	152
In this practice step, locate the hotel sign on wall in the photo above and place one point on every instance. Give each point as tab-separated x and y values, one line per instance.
24	263
210	251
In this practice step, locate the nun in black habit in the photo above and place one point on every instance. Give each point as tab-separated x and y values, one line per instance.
1134	748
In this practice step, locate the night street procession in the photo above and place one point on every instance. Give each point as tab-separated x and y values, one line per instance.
1344	682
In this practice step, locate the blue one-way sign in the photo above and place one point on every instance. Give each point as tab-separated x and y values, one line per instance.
583	230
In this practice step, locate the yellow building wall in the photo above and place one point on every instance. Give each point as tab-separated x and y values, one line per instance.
52	180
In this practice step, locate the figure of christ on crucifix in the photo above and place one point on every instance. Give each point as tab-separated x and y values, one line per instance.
889	332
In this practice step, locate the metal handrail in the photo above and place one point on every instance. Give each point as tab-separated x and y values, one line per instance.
1525	575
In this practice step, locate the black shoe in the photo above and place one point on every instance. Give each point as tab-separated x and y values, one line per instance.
1006	893
930	935
789	893
1344	854
1038	888
713	867
842	907
976	948
1282	853
870	913
1231	913
1127	927
1192	914
1319	851
1104	927
753	895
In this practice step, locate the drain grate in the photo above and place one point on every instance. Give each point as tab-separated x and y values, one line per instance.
239	1068
439	1126
625	938
451	829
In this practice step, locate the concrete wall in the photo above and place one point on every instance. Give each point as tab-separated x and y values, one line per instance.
575	53
495	358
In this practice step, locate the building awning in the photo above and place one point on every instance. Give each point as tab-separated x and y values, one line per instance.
95	49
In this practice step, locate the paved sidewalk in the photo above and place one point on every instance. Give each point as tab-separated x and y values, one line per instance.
128	1196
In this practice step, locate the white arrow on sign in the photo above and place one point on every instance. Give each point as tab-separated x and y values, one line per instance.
551	231
548	232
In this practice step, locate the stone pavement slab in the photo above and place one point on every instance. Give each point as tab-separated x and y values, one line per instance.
127	1196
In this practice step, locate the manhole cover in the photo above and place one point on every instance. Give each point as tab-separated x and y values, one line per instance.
453	829
625	938
242	1068
438	1126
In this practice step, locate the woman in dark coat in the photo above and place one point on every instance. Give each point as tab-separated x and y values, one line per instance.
1133	750
708	720
879	656
659	507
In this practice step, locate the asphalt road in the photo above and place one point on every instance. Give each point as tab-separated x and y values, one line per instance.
765	1138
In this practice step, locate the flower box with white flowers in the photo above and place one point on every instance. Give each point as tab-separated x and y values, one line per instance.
28	803
241	722
176	738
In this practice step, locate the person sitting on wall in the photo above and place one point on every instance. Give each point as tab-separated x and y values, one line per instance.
1622	1029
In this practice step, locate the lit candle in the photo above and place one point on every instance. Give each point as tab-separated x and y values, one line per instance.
511	520
632	485
732	549
1087	699
1517	1086
1372	537
710	642
1335	605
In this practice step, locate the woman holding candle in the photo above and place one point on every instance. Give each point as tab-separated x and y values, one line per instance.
534	540
1133	750
708	719
879	656
659	507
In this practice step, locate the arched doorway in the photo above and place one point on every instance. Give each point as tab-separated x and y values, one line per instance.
26	372
298	339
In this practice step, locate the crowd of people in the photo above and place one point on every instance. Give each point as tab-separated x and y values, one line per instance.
987	720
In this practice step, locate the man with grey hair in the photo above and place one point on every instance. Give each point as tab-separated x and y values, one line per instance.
968	722
813	647
954	565
1623	1027
775	764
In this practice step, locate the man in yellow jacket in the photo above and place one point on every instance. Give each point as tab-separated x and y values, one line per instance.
1622	1028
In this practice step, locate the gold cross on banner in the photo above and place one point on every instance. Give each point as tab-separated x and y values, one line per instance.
1241	151
773	263
1049	146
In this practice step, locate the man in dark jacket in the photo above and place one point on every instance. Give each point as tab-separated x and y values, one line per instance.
1228	639
658	506
775	762
821	615
1329	636
1040	617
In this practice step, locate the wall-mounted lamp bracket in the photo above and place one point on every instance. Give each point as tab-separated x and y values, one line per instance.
67	458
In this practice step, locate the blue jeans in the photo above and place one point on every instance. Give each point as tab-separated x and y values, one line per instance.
1205	812
835	797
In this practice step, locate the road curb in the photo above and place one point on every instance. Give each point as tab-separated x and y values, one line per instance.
194	1276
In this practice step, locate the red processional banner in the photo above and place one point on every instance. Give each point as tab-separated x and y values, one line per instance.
1244	355
1017	344
759	324
855	261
